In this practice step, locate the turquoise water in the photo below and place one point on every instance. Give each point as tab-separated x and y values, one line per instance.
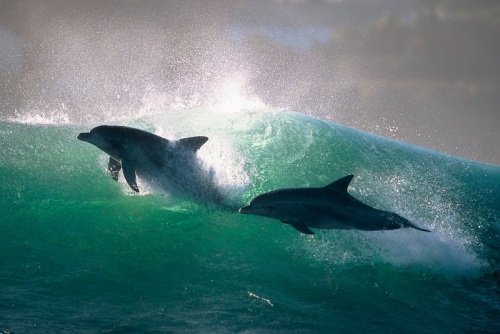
82	253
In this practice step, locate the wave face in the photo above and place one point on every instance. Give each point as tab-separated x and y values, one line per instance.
82	253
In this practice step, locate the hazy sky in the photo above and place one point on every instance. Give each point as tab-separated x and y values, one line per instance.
366	64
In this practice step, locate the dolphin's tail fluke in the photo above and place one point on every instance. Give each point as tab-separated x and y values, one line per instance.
412	225
421	229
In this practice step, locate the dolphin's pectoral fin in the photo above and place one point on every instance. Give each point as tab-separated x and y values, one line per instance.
193	143
114	167
299	226
129	174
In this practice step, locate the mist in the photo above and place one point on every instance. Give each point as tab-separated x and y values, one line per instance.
423	72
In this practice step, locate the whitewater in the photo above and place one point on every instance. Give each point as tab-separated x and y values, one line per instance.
82	253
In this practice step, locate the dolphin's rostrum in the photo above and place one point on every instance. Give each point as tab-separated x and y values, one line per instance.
330	207
169	165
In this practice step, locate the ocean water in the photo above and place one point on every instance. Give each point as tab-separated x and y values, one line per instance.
81	253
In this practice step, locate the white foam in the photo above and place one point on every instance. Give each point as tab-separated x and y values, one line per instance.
219	155
436	251
41	118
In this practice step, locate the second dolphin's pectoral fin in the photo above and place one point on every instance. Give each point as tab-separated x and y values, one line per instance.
193	143
114	167
299	226
341	184
129	173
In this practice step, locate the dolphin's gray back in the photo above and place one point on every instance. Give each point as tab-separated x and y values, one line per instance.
173	166
310	195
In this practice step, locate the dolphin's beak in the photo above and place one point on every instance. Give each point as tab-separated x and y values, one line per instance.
245	209
84	136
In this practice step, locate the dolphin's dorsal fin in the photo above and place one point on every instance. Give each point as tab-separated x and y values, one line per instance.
341	184
193	143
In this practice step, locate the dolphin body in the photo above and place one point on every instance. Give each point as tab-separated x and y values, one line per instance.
169	165
330	207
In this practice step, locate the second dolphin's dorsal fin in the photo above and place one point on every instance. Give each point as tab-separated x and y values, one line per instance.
341	184
193	143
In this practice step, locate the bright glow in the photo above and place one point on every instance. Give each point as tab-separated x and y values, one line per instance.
227	165
233	98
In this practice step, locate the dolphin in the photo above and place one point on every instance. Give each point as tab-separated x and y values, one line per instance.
330	207
169	165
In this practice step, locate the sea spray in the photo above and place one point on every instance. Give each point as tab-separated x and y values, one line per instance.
81	254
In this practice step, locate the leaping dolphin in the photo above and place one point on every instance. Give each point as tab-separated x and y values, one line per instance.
330	207
170	165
